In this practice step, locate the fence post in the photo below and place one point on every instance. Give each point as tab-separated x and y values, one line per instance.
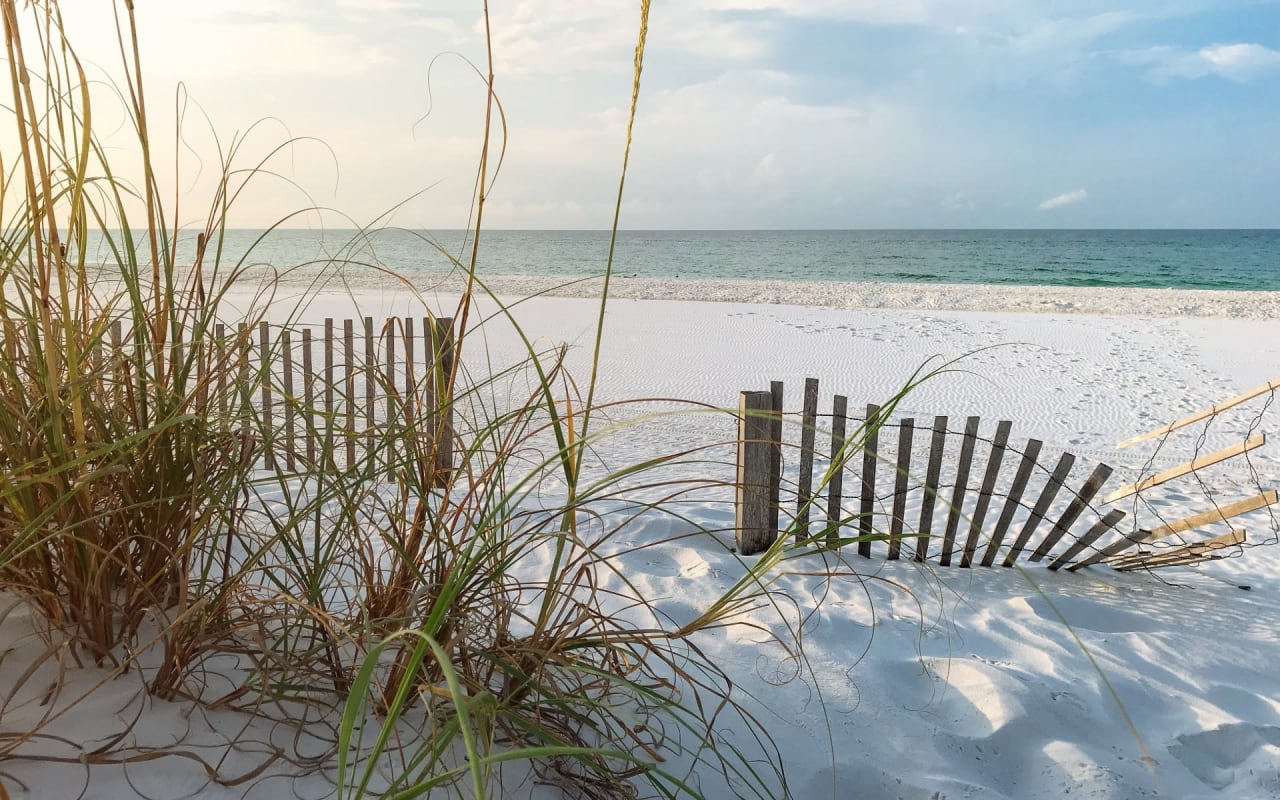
752	509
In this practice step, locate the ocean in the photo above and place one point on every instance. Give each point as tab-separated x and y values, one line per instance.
1182	259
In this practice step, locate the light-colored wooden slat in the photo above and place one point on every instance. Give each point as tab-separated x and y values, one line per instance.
775	461
1219	514
1012	500
994	460
1125	542
349	384
290	400
264	370
936	449
1187	468
867	501
1047	495
1073	511
752	514
1217	408
956	511
835	487
906	429
309	396
1099	528
808	434
1175	555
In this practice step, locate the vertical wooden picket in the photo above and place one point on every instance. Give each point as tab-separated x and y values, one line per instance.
839	415
808	434
222	365
906	430
370	385
264	372
867	500
290	401
309	397
994	460
751	508
349	384
442	347
775	461
1012	499
936	449
958	492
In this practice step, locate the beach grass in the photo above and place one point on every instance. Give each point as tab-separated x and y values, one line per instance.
388	600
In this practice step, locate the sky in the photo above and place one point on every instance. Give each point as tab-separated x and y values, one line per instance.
752	114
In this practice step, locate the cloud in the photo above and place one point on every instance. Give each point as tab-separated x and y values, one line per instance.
1064	199
1239	62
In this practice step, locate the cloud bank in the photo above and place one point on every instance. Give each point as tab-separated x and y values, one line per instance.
1064	199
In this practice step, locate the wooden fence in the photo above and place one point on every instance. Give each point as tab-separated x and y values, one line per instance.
327	409
968	502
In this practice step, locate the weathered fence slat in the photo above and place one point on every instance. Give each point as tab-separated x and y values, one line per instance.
220	346
389	336
808	434
835	488
349	386
290	399
1115	548
264	368
370	387
1219	514
775	458
1182	554
329	445
754	470
1184	469
409	383
936	449
244	343
994	460
1099	528
1047	495
958	492
1073	511
309	396
442	348
869	463
906	429
1012	499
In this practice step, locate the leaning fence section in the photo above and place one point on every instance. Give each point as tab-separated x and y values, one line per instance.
967	496
320	397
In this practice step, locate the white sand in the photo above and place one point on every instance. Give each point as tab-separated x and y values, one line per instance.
941	683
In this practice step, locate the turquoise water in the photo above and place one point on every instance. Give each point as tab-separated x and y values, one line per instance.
1185	259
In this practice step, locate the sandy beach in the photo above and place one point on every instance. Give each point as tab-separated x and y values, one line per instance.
917	681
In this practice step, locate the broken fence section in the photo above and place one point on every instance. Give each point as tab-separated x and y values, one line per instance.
903	500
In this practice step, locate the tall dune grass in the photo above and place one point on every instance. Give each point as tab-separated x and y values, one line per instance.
388	596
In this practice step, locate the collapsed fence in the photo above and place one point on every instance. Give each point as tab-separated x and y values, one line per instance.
900	508
366	387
